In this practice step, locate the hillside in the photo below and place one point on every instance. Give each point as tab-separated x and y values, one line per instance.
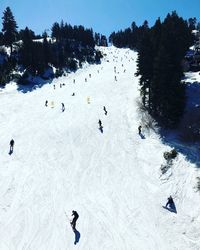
62	162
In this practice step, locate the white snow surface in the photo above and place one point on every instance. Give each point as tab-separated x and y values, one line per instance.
62	162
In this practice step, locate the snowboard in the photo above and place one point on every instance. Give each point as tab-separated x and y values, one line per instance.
171	209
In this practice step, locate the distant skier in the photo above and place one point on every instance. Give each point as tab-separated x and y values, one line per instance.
100	123
12	142
104	108
73	94
140	130
90	75
85	79
46	103
75	218
54	86
74	81
63	107
60	85
115	78
170	202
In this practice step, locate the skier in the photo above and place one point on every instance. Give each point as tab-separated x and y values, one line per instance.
139	129
170	201
46	103
73	94
89	75
12	142
115	78
54	86
104	108
100	124
75	218
85	79
74	81
63	107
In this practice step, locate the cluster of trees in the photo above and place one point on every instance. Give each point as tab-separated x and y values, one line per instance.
161	50
128	38
68	47
131	37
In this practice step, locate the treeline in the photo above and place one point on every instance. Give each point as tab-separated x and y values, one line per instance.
68	47
161	50
131	37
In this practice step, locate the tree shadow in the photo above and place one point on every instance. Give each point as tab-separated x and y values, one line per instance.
77	236
191	151
31	85
173	138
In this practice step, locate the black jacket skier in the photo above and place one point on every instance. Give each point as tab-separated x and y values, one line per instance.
170	201
104	108
12	142
100	123
75	218
139	129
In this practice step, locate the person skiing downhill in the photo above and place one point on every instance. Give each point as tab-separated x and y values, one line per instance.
139	129
12	142
100	123
75	218
104	108
63	107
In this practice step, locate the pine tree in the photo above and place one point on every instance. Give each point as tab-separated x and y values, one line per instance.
55	31
9	28
27	48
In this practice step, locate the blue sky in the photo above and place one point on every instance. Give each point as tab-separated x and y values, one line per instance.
103	16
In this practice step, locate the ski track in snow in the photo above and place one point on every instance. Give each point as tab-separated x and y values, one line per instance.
62	162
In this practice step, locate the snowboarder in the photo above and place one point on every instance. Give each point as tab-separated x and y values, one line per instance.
63	107
46	103
139	129
170	201
104	108
75	218
12	142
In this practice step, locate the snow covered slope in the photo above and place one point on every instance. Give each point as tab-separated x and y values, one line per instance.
62	162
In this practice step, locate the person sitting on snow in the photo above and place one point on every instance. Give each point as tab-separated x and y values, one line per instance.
169	201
